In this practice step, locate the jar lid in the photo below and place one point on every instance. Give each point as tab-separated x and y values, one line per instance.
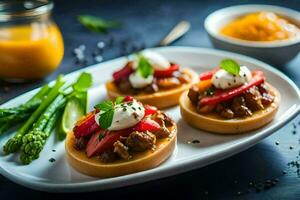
14	9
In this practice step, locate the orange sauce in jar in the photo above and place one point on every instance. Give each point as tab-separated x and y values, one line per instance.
30	51
261	26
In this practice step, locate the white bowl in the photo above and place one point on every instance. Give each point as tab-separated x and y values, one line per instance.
274	52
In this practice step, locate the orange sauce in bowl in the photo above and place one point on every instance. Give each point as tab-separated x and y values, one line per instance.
261	26
30	51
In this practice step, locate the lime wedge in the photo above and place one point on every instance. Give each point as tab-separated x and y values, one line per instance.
75	108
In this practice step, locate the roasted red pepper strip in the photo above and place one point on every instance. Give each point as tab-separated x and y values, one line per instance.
224	95
149	110
86	126
166	73
147	125
208	75
122	73
103	140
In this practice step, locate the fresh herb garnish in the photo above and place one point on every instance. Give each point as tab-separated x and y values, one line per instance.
98	24
106	118
107	113
144	68
83	83
230	66
119	100
107	109
105	106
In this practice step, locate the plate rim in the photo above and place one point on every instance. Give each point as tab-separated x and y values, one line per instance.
188	165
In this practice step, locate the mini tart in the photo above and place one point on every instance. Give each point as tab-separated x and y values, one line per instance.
213	123
161	99
140	161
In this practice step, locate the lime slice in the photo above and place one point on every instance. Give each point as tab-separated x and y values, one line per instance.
75	108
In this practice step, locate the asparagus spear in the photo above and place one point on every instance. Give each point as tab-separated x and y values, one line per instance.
29	106
14	143
8	122
33	142
11	116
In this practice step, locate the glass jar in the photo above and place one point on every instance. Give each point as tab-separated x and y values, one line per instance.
31	45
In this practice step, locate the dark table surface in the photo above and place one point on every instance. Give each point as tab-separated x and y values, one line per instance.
145	23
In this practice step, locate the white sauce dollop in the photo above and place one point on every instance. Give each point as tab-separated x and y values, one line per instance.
137	81
126	115
224	80
157	61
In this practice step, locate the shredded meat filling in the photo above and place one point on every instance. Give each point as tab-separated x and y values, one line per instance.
81	143
239	107
164	121
108	156
254	99
121	150
141	141
193	94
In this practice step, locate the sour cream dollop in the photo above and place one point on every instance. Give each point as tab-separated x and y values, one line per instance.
126	115
157	61
224	80
137	81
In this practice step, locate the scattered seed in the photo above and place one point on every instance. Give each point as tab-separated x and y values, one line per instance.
291	147
82	47
194	142
277	143
101	45
98	58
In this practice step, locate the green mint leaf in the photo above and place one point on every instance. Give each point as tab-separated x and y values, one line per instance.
105	106
98	24
119	100
144	67
230	66
106	118
83	82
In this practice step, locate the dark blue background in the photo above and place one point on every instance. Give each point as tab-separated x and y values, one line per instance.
147	21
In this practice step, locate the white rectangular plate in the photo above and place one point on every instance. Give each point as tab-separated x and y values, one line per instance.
60	177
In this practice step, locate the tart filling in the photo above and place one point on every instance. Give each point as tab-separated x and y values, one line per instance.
118	131
231	91
148	72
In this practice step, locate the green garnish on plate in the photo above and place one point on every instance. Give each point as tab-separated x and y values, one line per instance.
98	24
230	66
144	67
